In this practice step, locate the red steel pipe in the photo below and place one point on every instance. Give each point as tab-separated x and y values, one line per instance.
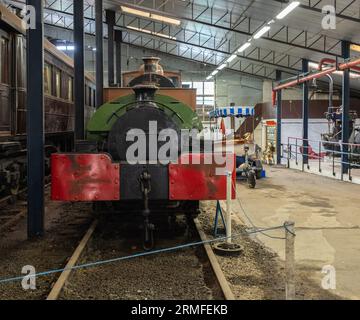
332	61
348	65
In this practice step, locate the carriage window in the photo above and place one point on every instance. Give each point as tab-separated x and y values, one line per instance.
47	78
20	49
70	89
4	54
86	96
57	83
90	99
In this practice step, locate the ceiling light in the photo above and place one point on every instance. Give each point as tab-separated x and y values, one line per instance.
135	12
66	48
215	72
150	15
355	47
222	66
261	32
244	47
287	10
165	19
209	77
163	35
313	65
231	58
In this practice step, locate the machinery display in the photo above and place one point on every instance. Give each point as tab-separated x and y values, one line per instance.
248	167
58	102
168	183
331	140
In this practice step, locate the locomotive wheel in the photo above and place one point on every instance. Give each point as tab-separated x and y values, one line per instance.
172	225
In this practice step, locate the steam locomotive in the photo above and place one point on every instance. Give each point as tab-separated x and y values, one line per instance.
168	173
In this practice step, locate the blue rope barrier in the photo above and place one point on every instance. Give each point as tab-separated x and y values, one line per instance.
142	254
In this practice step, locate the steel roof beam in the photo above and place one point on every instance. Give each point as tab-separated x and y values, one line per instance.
249	25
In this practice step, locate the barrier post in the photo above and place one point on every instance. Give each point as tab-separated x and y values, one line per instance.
350	150
333	159
228	205
228	246
289	156
320	156
290	260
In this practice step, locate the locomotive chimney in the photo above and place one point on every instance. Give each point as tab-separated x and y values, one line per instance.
145	92
151	65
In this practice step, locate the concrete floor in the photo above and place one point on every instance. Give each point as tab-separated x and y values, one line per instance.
327	217
327	169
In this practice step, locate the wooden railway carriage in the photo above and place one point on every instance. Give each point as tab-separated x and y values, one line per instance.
58	101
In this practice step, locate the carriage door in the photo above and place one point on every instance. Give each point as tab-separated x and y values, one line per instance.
5	96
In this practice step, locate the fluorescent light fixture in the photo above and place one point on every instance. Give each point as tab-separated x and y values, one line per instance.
66	48
164	35
215	72
136	12
287	10
165	19
222	66
355	47
244	47
150	15
313	65
151	32
209	77
261	32
231	58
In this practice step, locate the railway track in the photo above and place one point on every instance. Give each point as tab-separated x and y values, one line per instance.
13	209
11	199
189	273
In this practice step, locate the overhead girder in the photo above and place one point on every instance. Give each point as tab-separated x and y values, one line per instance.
213	16
264	57
204	56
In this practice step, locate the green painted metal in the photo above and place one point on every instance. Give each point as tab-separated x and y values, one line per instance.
104	118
